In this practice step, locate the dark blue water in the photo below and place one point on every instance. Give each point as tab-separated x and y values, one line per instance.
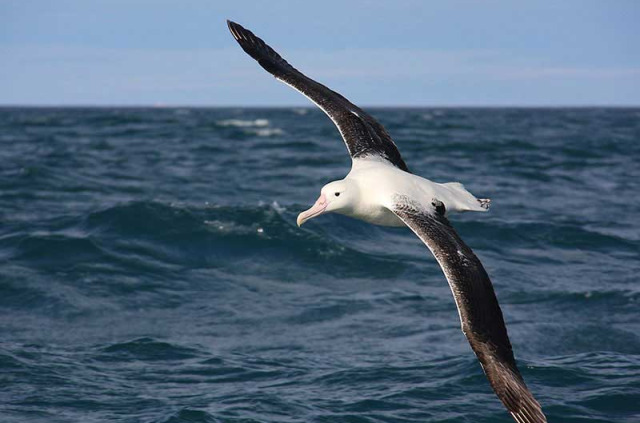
151	269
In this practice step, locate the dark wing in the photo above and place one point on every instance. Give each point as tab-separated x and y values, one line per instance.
480	314
363	135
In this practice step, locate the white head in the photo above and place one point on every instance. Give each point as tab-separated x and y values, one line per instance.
336	196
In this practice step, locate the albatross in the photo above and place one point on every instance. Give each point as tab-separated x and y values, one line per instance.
381	190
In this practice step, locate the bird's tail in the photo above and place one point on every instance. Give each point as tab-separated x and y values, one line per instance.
485	203
464	200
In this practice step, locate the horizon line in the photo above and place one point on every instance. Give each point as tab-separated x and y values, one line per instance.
246	106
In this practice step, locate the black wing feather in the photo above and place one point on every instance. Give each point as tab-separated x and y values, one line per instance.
480	314
363	135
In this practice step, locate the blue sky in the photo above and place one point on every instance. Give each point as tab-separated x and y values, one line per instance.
179	52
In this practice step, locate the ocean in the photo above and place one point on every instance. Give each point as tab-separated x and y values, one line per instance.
151	269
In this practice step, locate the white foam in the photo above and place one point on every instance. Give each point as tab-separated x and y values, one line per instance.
267	132
278	208
239	123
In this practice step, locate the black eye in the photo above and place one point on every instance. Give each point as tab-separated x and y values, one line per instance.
337	194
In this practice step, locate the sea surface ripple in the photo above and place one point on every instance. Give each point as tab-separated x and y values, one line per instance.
151	269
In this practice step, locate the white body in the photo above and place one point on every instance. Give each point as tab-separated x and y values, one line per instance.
377	182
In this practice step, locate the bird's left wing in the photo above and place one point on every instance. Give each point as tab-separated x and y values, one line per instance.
480	315
363	135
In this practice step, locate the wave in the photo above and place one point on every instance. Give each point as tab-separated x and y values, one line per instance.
268	132
190	415
145	349
157	237
258	127
239	123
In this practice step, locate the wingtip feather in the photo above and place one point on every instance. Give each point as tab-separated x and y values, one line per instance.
238	31
243	36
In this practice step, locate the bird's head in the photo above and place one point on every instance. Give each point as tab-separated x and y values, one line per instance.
336	196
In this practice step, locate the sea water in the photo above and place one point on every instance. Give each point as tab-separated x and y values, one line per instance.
151	269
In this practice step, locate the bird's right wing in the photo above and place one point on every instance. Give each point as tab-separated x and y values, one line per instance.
480	315
363	135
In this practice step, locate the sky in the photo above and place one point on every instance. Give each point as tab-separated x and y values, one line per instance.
374	52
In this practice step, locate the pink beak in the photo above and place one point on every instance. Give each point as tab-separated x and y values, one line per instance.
317	209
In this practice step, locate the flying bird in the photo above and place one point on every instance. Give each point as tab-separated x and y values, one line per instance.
381	190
